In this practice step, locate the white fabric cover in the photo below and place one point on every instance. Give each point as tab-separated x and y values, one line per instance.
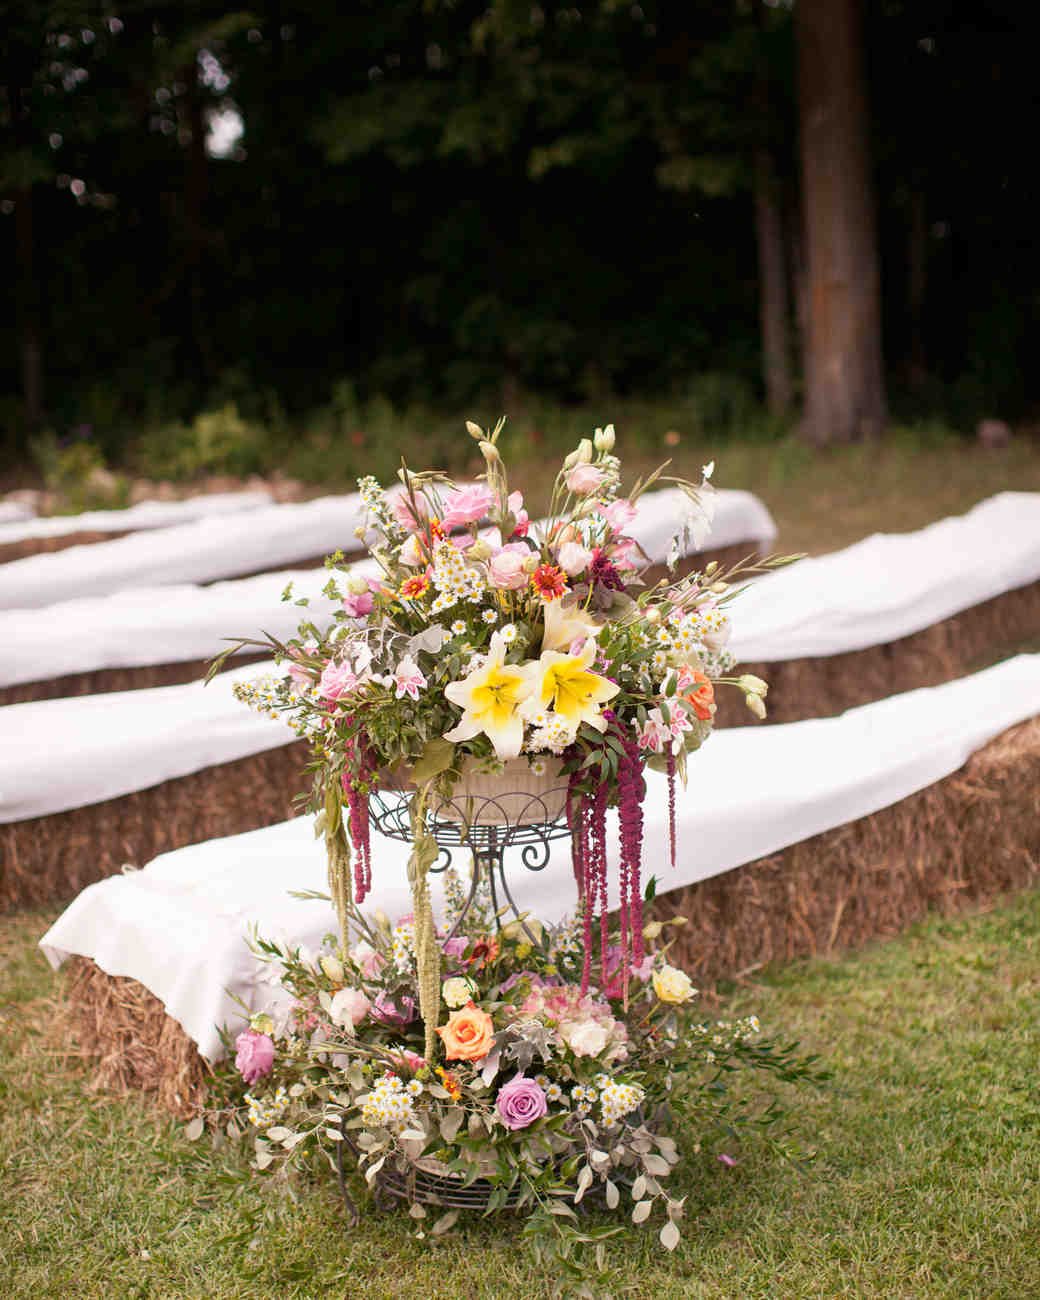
145	515
176	622
220	546
14	512
59	754
890	584
179	925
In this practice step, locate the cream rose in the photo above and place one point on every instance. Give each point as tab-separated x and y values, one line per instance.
457	991
672	985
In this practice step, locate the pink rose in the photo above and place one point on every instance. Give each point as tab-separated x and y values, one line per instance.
506	568
254	1056
573	558
358	606
520	1102
336	680
467	506
621	553
349	1006
409	1060
584	479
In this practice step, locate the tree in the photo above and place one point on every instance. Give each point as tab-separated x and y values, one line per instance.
844	375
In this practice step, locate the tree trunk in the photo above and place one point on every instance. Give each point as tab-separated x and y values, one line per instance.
772	282
844	371
917	279
28	308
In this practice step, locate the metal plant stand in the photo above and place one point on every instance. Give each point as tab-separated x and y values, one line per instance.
487	826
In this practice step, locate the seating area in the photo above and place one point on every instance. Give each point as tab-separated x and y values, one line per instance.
867	802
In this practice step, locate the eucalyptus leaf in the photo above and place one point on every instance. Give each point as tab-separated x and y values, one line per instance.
641	1211
445	1222
669	1236
193	1131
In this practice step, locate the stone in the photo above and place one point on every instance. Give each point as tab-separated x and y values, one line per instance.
993	433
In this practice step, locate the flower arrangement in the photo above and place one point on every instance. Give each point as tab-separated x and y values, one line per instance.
544	1092
479	639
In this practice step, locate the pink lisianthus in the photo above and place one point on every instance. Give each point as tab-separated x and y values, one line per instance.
520	1102
254	1055
622	553
573	558
506	567
584	479
368	961
619	514
337	680
299	675
408	1060
349	1007
358	605
467	506
401	509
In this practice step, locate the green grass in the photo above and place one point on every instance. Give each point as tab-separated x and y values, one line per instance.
926	1184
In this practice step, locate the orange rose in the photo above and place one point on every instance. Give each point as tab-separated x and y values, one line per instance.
468	1035
702	698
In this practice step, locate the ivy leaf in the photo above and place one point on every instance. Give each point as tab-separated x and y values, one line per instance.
193	1131
613	1195
445	1222
641	1211
669	1236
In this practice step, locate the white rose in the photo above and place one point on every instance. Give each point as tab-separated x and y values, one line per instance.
458	991
349	1007
586	1038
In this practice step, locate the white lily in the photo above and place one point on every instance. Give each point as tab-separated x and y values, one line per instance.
564	684
490	697
564	624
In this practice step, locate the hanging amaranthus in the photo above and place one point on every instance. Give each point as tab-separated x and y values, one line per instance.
427	948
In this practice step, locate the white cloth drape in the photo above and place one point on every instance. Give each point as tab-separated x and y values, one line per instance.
179	926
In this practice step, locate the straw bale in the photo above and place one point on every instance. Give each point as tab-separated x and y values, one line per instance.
49	859
956	845
103	680
139	1048
822	687
43	545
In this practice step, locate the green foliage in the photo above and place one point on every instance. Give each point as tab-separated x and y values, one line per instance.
216	442
78	476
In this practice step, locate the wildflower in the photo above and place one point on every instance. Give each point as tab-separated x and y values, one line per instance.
408	679
508	633
549	582
458	628
414	587
489	616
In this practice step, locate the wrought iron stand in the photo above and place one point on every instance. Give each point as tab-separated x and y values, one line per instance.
487	826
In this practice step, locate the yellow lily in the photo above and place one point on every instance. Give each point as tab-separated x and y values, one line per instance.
564	624
564	684
489	698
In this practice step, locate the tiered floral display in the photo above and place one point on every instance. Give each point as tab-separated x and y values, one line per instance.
541	1061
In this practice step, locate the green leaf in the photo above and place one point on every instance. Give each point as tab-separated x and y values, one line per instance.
437	756
445	1222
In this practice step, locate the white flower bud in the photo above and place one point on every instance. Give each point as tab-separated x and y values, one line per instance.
479	550
652	930
474	430
490	452
720	588
332	967
653	614
756	705
752	685
570	460
604	438
585	451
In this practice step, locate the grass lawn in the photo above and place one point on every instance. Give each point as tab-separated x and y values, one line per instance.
926	1184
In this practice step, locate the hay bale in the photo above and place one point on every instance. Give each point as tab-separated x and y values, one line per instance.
959	844
139	1048
104	680
952	648
44	545
50	859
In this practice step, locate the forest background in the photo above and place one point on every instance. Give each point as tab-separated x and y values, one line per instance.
227	231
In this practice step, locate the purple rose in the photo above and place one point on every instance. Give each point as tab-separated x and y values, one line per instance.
255	1055
521	1102
388	1012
